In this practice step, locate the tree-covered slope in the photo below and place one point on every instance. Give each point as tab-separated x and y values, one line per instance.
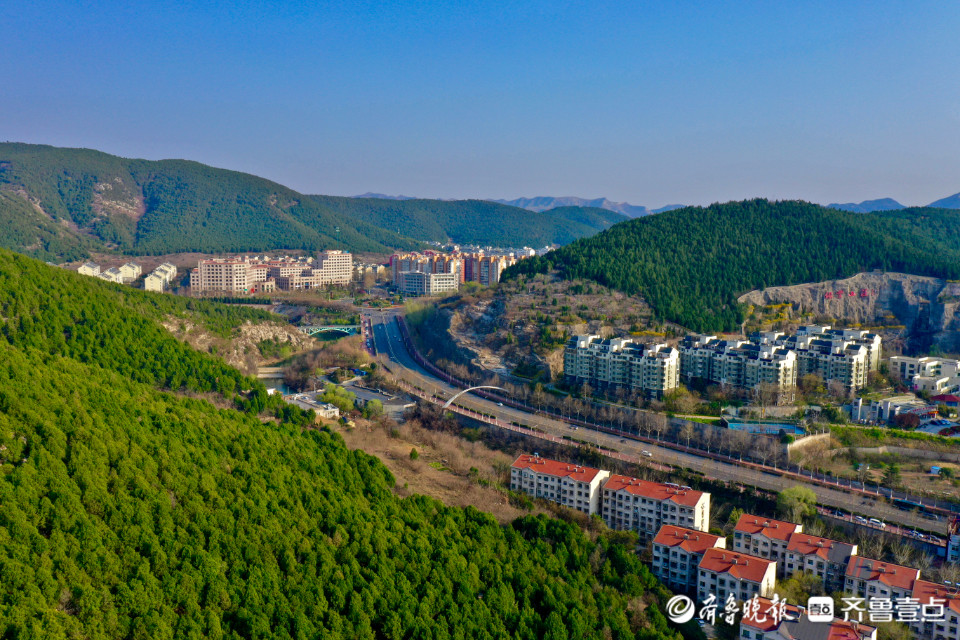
691	264
476	221
104	202
133	512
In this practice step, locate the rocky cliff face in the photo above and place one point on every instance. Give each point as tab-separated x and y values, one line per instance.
927	309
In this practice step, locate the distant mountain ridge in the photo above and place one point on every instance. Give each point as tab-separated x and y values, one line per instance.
869	206
889	204
544	203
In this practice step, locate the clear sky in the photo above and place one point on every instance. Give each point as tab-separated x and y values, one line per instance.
649	102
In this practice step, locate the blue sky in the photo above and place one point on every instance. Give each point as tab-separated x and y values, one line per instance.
653	103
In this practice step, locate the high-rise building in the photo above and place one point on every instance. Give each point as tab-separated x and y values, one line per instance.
621	363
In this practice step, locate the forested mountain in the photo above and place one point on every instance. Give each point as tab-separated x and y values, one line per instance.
475	221
691	264
133	511
60	204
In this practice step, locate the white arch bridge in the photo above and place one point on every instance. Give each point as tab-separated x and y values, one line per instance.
460	393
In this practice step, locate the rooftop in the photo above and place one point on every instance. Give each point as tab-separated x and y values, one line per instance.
738	565
556	468
829	550
656	490
768	527
925	592
890	574
690	540
799	625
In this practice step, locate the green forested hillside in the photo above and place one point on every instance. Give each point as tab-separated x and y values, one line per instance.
691	264
60	204
139	206
130	511
476	221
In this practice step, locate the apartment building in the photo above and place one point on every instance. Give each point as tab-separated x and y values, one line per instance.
936	375
251	274
724	573
677	552
112	274
845	356
643	506
764	537
759	624
737	363
621	363
937	598
827	559
89	269
160	278
869	578
567	484
130	272
418	283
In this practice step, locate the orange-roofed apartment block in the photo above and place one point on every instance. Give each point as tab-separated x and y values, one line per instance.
723	573
935	624
764	537
631	504
827	559
677	552
571	485
875	579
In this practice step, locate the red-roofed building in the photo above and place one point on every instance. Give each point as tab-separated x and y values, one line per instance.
571	485
640	505
764	537
827	559
937	597
875	579
761	623
949	399
677	553
723	573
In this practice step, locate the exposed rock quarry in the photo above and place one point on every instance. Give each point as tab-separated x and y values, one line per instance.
927	309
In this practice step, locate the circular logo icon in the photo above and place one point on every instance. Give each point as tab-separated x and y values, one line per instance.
680	609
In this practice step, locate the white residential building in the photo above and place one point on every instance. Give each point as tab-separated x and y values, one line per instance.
89	269
736	363
677	552
621	363
130	272
153	282
419	283
723	573
112	274
640	505
764	537
567	484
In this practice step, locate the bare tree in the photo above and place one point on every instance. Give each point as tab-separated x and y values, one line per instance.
710	437
902	552
658	424
764	395
687	432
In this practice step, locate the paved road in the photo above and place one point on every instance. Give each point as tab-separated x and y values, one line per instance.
392	353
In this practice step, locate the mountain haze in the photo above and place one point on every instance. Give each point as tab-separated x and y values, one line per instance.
480	222
543	203
950	202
